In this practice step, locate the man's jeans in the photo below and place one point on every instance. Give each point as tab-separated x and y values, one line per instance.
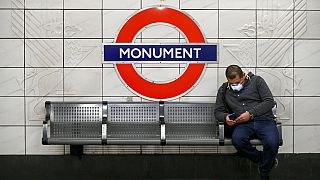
266	130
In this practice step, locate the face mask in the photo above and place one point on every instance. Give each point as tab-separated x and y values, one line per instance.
236	87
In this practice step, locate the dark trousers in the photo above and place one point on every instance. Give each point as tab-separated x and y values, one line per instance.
266	130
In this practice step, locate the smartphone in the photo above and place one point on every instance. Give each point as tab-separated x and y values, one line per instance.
233	116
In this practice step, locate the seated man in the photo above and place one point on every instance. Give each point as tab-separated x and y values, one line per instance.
250	99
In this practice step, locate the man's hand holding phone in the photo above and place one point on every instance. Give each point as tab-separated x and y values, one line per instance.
234	118
231	119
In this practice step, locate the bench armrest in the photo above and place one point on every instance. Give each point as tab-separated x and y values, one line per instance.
279	127
221	133
46	124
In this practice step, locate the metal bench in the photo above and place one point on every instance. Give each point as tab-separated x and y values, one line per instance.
140	123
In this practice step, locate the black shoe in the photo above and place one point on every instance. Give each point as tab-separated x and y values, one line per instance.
274	165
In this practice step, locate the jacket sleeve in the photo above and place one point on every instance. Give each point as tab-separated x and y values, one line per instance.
267	101
220	111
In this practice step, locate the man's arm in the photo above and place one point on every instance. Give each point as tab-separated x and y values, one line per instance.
220	111
267	101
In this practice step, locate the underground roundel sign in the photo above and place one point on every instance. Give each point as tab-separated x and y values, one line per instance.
196	53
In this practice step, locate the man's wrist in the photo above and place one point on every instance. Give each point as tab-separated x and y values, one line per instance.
250	115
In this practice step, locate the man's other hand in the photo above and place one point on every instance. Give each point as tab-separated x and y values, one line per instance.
244	117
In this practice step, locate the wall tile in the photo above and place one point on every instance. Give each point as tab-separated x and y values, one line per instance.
34	143
207	20
11	52
83	99
287	136
307	24
113	20
221	77
274	24
173	3
279	80
11	82
213	65
12	140
237	51
83	82
123	99
199	4
12	23
305	110
122	4
35	109
112	85
44	81
83	24
306	80
44	4
11	111
83	4
306	139
275	4
307	5
43	24
284	110
197	99
275	53
83	53
12	4
207	85
44	52
306	53
234	4
109	65
237	24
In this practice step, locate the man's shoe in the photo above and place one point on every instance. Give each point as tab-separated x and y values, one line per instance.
275	163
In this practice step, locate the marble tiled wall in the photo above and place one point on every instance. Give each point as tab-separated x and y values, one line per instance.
51	50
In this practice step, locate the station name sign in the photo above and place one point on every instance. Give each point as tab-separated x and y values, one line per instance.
149	53
196	53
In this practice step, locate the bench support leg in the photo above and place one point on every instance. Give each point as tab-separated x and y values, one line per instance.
76	150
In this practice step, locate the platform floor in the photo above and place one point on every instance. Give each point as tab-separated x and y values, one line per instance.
213	167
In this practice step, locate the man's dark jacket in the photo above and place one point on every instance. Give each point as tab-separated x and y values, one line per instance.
255	97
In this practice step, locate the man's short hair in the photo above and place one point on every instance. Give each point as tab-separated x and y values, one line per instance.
232	71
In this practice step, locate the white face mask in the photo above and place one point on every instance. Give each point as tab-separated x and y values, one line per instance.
236	87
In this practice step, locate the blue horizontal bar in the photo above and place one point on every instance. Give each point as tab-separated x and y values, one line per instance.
156	53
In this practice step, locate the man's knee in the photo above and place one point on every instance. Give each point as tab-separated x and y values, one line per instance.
239	141
271	144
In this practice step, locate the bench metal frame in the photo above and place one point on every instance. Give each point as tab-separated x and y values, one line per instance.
139	123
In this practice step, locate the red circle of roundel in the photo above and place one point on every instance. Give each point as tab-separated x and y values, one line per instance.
165	90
